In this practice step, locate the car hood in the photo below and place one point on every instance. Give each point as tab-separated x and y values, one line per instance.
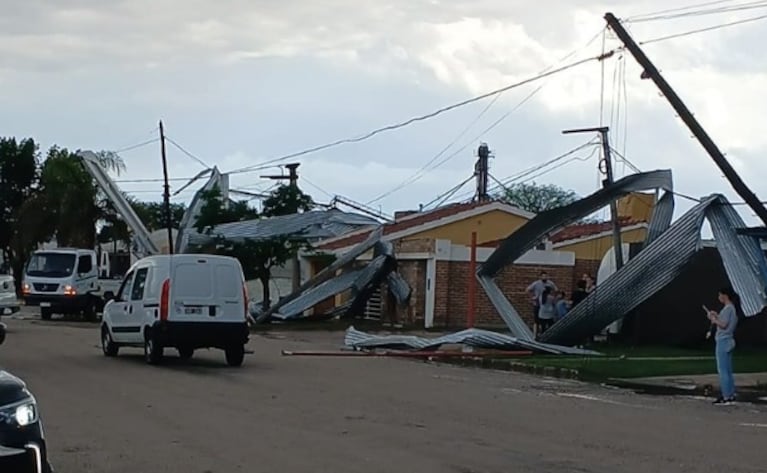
12	389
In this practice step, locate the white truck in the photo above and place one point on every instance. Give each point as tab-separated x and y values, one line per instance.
66	281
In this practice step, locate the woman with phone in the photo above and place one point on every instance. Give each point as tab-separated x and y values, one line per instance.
725	322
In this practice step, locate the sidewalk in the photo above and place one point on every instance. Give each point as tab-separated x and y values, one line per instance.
751	385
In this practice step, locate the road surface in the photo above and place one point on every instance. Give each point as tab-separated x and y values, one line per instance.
298	414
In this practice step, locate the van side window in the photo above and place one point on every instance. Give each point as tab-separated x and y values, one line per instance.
84	264
125	287
138	284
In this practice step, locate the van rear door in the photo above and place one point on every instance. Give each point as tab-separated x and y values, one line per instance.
206	289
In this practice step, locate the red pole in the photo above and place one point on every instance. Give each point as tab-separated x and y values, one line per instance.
472	281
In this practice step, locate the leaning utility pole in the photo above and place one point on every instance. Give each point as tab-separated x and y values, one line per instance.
650	71
166	194
292	178
609	179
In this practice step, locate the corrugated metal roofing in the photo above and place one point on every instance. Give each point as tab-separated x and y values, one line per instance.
660	262
471	337
527	236
314	225
186	226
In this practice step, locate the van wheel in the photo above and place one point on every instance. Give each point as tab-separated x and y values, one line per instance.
109	347
185	353
153	351
45	313
235	355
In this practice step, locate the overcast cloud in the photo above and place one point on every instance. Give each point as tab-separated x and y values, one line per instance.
241	81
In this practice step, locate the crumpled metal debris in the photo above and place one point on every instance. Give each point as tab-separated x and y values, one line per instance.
526	237
662	261
361	281
472	337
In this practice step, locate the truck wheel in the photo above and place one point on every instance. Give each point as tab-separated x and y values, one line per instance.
45	313
153	351
235	355
185	353
109	347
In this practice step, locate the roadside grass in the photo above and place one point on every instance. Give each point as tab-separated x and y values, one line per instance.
640	362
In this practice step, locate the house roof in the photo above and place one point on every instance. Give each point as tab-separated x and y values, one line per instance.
583	230
422	221
577	232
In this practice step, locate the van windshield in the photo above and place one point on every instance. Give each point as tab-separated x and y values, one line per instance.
52	265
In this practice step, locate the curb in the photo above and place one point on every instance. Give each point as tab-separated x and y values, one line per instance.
516	366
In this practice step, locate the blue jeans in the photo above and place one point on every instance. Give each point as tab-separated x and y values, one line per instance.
724	349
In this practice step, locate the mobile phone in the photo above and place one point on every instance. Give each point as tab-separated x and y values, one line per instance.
705	308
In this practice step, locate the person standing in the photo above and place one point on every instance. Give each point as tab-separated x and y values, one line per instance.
725	322
548	310
535	289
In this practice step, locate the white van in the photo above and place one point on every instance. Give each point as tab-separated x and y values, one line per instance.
185	302
8	301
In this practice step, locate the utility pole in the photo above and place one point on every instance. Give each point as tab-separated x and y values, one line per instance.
292	178
651	72
482	172
166	194
607	162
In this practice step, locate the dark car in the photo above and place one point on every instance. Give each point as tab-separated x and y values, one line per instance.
22	443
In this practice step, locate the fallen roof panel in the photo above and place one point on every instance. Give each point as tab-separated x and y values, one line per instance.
471	337
662	261
527	236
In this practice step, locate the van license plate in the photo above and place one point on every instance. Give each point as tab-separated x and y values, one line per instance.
193	310
45	304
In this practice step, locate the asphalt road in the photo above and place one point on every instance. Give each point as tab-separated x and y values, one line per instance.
298	414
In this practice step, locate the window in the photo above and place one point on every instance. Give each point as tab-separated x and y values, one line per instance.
137	293
51	265
84	264
228	281
125	287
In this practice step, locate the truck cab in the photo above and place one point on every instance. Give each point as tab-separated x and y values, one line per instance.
62	281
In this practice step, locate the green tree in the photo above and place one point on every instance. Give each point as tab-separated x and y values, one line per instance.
74	201
18	184
257	257
538	198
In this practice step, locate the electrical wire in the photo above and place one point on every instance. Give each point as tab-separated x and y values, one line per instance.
703	30
136	146
625	160
423	169
190	155
462	148
427	116
710	11
143	180
677	9
446	195
303	178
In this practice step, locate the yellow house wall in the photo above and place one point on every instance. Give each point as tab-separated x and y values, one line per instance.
595	249
637	205
490	226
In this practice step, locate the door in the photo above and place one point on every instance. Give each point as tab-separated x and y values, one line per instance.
136	311
116	312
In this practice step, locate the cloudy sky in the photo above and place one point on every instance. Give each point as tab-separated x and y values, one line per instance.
239	82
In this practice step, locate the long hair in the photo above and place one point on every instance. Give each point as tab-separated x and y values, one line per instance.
733	296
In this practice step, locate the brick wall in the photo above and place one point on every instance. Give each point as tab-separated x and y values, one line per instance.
414	272
451	303
585	266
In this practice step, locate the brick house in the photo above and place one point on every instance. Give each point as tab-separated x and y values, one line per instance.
433	253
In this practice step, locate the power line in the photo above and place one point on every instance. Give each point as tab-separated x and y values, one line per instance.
181	148
495	123
133	181
428	115
138	145
423	169
469	143
625	160
677	9
709	11
702	30
450	192
303	178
